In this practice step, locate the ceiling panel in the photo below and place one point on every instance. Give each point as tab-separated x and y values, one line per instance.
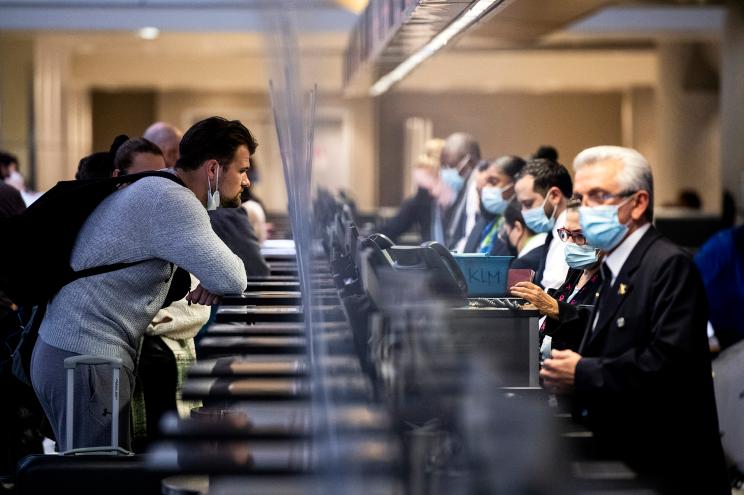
171	15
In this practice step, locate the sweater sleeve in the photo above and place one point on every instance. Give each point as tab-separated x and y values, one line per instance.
232	226
180	232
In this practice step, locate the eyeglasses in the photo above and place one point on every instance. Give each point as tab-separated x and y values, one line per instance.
597	198
576	235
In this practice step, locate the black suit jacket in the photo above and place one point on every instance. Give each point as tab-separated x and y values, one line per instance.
567	330
498	247
475	236
644	383
416	210
541	263
232	226
454	218
530	260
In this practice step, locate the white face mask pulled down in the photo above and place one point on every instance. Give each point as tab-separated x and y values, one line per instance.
213	198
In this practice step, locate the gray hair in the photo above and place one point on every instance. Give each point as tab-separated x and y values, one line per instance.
636	173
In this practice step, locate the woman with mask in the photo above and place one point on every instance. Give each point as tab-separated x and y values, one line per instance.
495	185
565	323
528	245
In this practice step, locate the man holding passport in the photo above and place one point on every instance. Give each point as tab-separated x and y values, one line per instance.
642	379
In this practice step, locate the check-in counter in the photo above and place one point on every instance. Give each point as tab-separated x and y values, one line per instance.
259	363
256	330
510	338
221	346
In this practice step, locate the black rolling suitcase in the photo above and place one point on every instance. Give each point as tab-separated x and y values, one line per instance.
90	470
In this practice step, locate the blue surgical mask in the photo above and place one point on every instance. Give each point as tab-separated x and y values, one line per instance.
601	226
537	220
581	257
213	198
493	200
451	177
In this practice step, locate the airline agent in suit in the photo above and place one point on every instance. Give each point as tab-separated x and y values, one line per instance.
642	380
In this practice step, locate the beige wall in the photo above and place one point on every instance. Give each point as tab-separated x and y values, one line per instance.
121	112
183	108
16	87
687	128
732	104
643	122
503	124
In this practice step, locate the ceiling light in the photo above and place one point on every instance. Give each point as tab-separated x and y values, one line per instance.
437	42
355	6
148	33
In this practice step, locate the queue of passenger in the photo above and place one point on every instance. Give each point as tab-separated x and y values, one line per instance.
171	265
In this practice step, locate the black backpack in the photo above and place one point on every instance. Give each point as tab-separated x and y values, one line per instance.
38	244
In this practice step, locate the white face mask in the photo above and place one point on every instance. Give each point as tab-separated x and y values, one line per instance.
213	198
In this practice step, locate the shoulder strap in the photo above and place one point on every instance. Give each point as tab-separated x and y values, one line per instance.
129	178
123	179
97	270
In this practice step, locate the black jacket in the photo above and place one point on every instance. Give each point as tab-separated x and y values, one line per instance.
540	270
414	211
233	227
498	247
531	260
568	330
644	383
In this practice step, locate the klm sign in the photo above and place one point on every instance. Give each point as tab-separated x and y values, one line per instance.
483	276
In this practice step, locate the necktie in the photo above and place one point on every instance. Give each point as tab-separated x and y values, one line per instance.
606	275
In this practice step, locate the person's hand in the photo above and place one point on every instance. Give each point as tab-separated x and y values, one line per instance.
559	371
545	304
424	178
443	194
200	295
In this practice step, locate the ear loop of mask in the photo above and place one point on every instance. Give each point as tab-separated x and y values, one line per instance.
213	199
552	214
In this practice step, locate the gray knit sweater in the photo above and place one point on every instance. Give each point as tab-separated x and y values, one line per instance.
153	219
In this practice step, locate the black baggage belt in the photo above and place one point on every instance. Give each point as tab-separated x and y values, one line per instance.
277	298
332	343
259	314
296	329
279	421
212	390
266	314
253	345
353	483
275	365
360	453
263	298
256	330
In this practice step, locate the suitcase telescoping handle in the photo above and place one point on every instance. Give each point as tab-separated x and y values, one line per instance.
70	364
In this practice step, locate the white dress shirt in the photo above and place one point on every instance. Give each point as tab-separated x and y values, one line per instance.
617	258
534	242
556	268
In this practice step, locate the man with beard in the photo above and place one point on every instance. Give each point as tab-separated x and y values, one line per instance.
153	224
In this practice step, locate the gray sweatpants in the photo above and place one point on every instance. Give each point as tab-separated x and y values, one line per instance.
92	407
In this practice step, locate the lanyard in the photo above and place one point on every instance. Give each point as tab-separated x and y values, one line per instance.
488	235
